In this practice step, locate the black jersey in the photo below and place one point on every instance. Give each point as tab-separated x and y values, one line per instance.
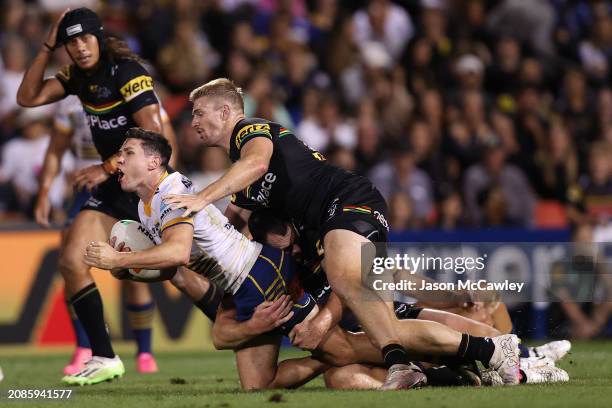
299	182
308	262
110	96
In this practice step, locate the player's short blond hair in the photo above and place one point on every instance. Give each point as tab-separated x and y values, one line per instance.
220	88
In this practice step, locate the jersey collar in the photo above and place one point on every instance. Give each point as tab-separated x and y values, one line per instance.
147	206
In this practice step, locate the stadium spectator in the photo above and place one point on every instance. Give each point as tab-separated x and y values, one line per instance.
583	289
385	22
22	159
493	170
400	174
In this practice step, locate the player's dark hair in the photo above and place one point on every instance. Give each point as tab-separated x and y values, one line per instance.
117	49
152	143
264	221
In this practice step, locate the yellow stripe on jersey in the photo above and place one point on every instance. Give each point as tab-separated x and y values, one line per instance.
147	206
179	220
136	86
100	109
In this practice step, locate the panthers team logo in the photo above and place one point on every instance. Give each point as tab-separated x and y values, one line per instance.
99	91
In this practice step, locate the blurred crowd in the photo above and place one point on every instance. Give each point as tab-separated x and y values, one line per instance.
464	113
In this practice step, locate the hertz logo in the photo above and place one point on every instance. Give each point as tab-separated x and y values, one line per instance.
136	86
256	129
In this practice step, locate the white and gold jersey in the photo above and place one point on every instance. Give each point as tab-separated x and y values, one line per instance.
218	251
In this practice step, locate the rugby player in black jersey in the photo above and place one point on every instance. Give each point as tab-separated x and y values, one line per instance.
117	93
273	169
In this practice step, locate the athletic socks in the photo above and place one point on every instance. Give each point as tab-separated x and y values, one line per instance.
394	354
209	303
140	318
476	348
81	336
87	305
524	351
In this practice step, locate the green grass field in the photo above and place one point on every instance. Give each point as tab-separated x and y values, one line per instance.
209	380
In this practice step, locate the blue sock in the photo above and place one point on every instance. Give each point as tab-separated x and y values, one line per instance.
141	320
524	351
79	331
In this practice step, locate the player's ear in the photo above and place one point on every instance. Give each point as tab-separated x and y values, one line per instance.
154	162
225	112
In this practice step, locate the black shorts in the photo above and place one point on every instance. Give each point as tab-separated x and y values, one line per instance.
110	199
406	310
358	207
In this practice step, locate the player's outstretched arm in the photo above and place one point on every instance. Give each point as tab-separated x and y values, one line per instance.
60	142
174	250
228	333
253	164
35	90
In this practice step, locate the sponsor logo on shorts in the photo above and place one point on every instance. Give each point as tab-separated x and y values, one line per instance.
331	211
136	86
381	218
92	202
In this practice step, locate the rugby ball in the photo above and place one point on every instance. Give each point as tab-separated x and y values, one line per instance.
128	236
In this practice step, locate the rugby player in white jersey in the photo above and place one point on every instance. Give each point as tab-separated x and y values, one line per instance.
71	131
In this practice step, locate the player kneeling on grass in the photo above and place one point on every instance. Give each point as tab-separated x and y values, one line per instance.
208	244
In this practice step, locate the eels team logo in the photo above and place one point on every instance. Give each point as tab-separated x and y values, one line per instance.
249	131
136	86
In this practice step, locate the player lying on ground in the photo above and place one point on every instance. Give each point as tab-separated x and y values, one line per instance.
255	359
267	227
208	244
258	366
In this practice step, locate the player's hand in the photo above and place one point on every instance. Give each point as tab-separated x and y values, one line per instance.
89	177
42	209
270	315
307	335
192	203
52	36
102	255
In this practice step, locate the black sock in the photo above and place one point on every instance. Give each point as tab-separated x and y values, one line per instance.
442	376
87	304
394	354
476	348
210	301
